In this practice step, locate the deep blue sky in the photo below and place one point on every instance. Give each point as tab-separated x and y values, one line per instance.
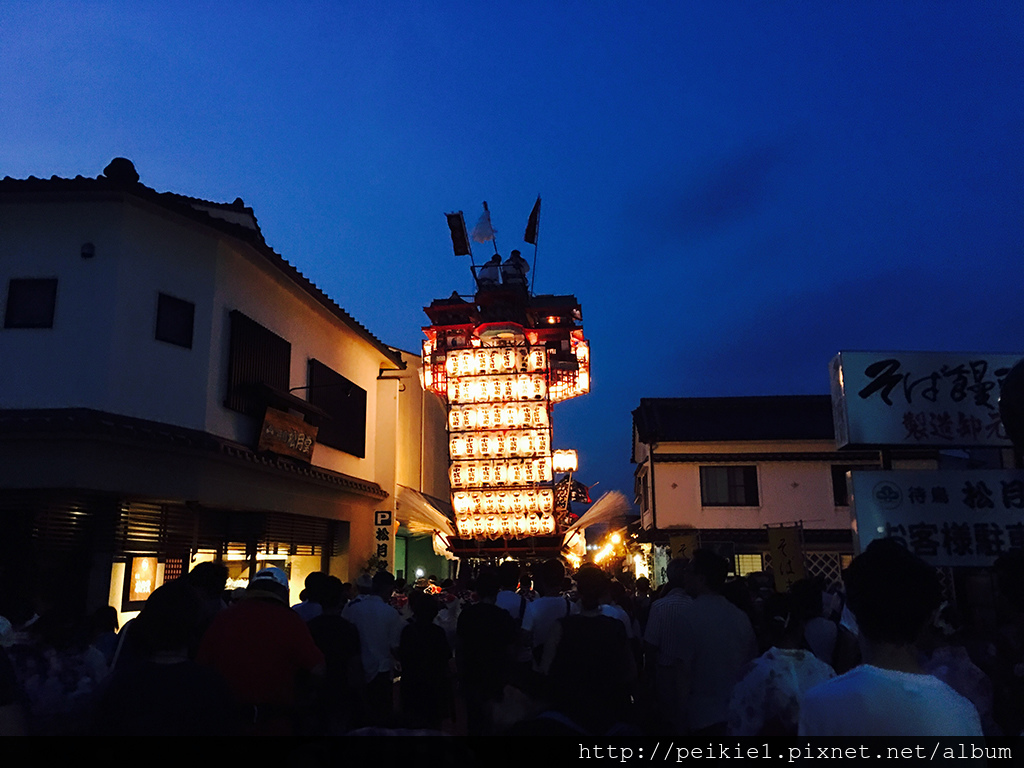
734	191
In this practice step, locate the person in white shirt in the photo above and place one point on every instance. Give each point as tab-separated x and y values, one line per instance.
716	640
380	632
892	595
508	598
542	614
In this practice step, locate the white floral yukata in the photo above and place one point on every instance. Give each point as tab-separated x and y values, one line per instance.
766	700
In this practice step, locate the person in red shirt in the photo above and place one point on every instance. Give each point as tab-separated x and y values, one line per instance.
265	652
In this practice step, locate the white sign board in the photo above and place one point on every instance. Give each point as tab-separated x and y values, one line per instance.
926	399
947	518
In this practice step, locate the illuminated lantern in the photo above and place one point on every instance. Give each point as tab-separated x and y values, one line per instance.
564	461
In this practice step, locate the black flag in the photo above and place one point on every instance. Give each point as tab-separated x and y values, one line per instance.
460	239
580	492
574	490
533	224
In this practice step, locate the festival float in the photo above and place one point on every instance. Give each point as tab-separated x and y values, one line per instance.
500	359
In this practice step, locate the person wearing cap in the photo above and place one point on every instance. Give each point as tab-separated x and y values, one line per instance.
265	652
312	596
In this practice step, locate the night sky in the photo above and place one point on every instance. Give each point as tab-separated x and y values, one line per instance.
733	191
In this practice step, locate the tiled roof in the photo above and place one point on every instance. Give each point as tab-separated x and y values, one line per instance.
85	422
748	536
233	219
711	419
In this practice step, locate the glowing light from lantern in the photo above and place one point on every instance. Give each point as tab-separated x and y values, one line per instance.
497	416
564	461
499	388
504	444
498	472
528	501
492	526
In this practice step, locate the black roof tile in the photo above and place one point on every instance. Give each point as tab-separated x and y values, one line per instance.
710	419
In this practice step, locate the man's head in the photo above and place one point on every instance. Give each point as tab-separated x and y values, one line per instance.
383	584
332	595
508	574
550	575
487	584
171	619
807	598
272	582
592	584
314	587
675	573
364	583
424	607
706	572
891	592
209	578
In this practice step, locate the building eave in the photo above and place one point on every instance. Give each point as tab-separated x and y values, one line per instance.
22	427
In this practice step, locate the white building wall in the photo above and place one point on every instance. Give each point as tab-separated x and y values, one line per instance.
277	304
414	423
102	352
158	253
57	367
788	491
642	476
423	439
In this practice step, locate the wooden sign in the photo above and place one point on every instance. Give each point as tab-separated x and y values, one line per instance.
786	547
287	435
683	545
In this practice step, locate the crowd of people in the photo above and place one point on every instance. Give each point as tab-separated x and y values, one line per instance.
529	650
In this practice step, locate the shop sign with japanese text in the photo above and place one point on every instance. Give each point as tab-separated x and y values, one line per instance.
948	518
142	577
683	544
922	399
786	547
287	435
383	534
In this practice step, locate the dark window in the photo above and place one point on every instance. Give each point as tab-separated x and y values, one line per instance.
728	486
257	358
840	489
31	303
174	320
640	491
346	404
